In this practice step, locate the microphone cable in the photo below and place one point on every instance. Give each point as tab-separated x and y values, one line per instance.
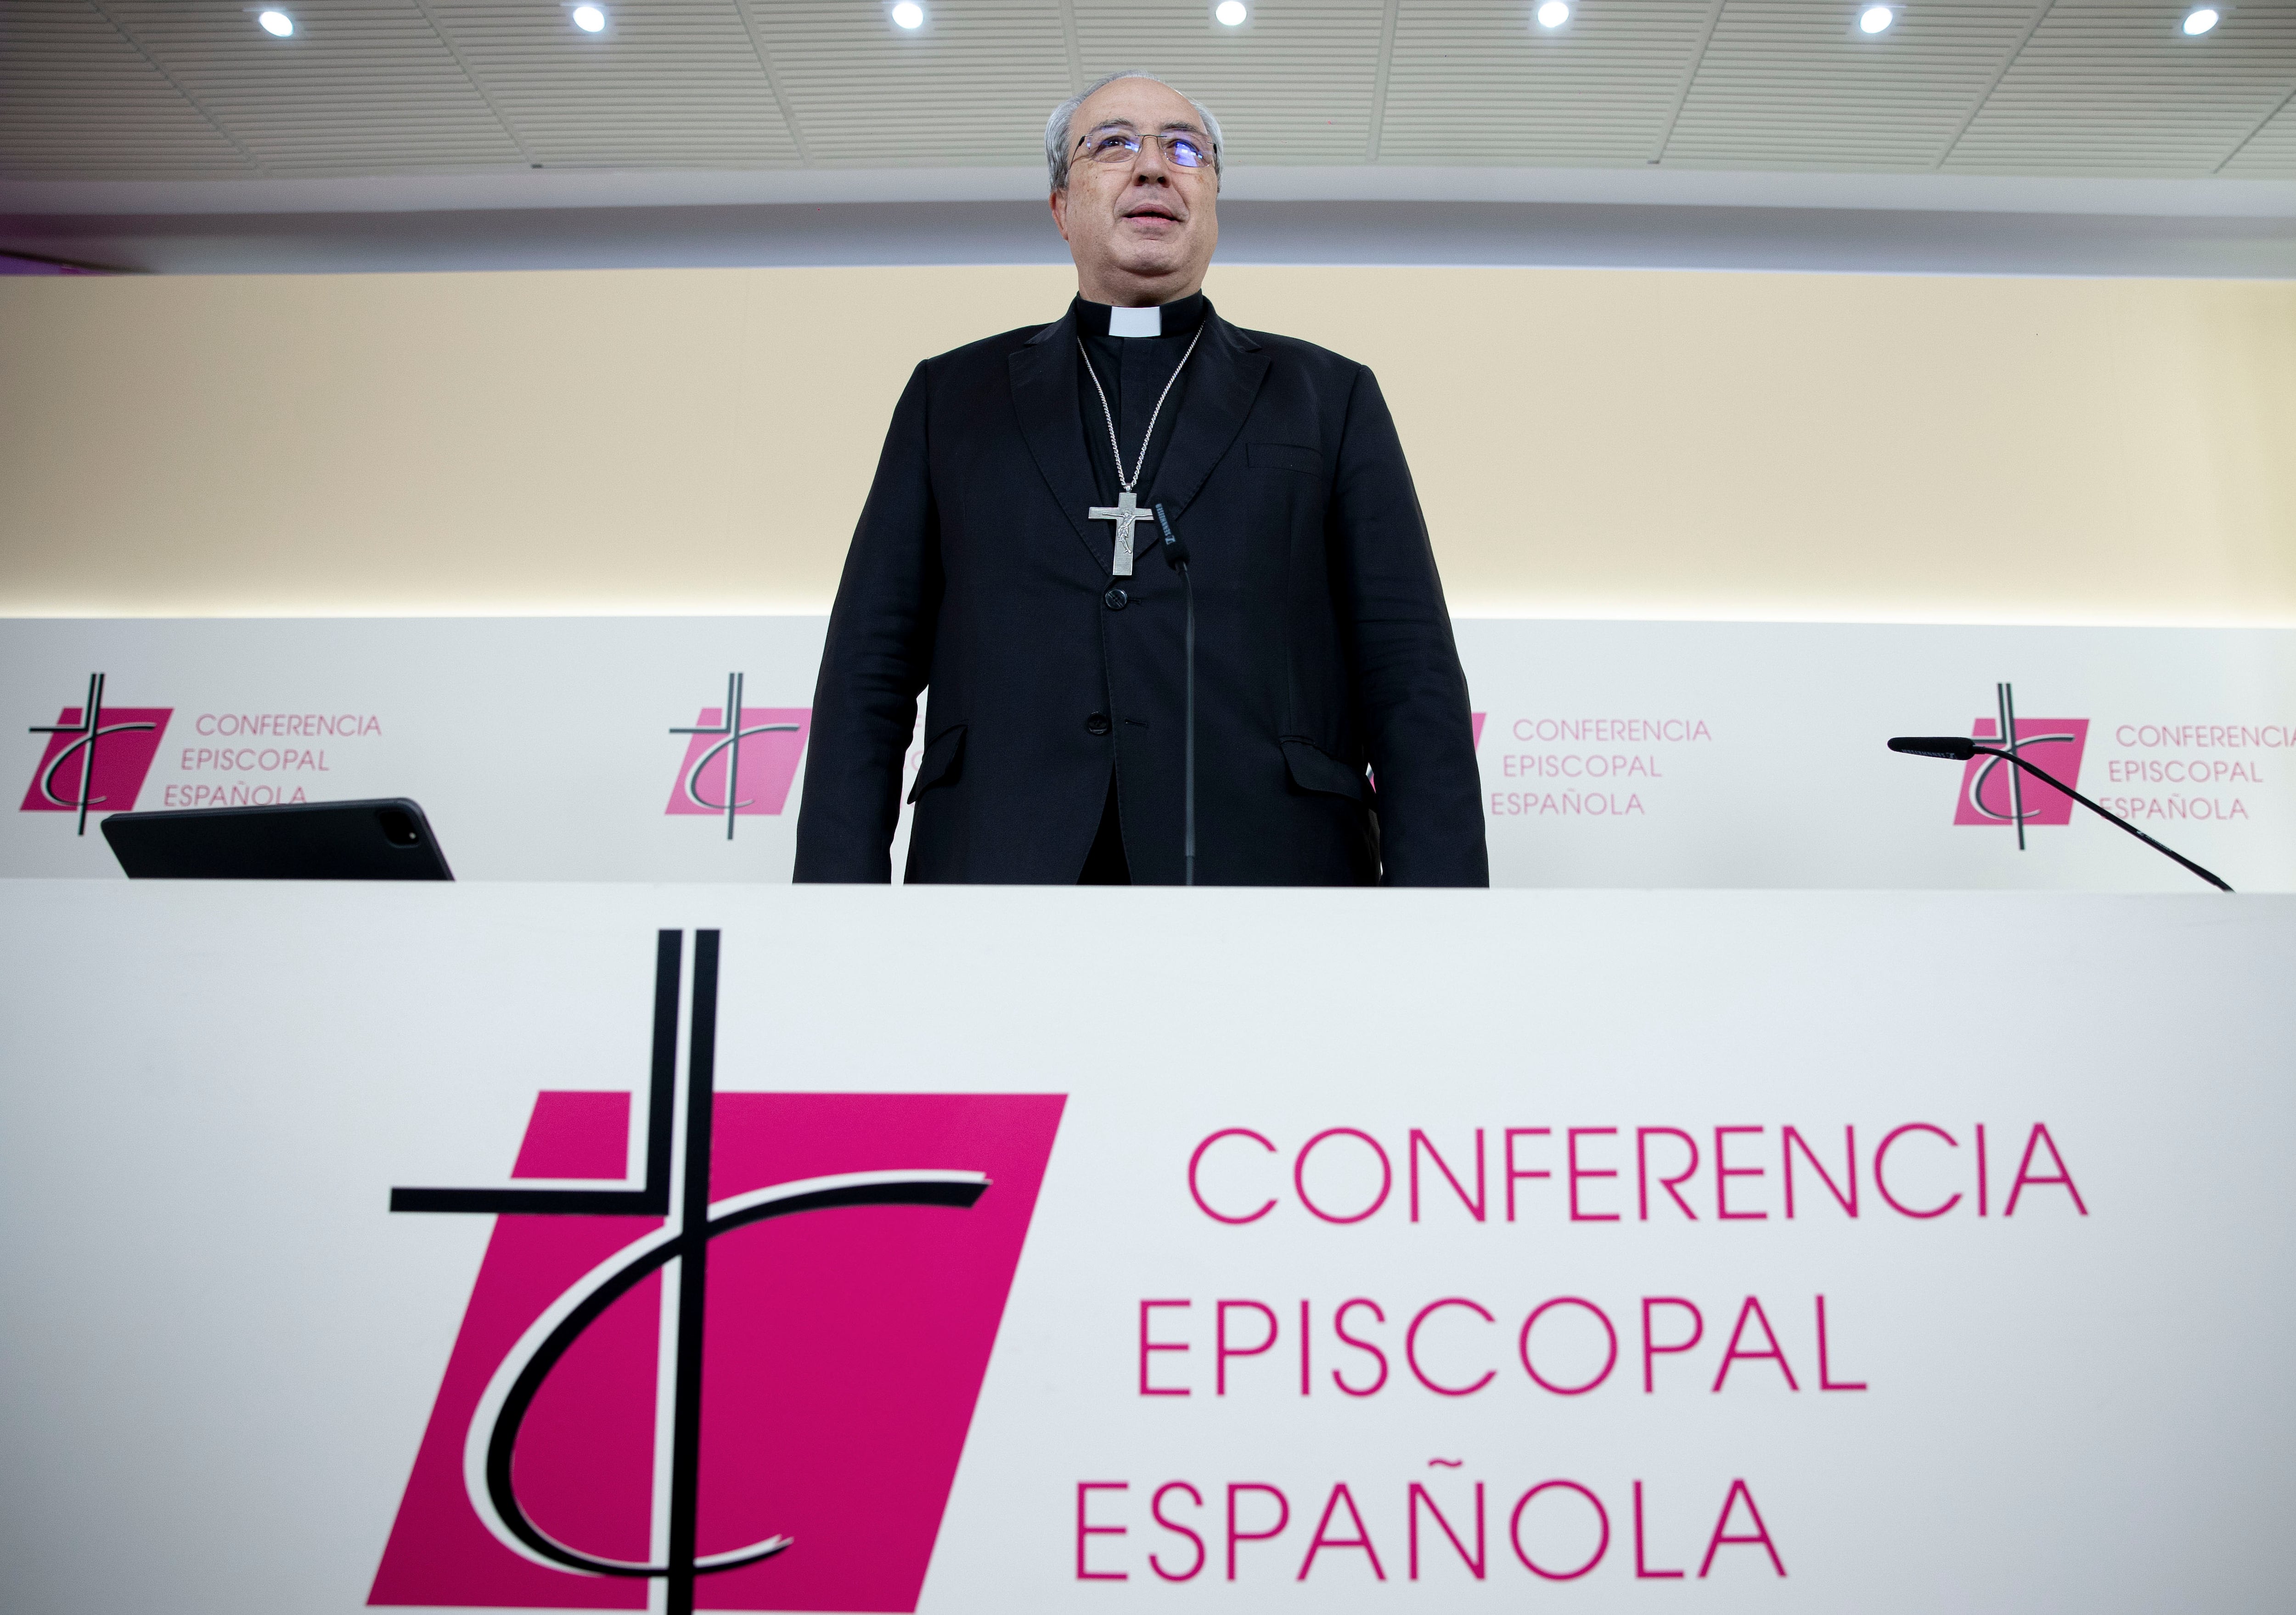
1176	554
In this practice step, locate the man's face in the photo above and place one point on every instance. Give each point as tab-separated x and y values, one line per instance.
1142	231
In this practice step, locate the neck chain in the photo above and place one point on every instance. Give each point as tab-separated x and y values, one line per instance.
1125	484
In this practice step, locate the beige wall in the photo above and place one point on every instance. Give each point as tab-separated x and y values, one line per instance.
1622	443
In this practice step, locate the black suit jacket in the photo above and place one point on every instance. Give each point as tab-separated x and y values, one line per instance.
1323	644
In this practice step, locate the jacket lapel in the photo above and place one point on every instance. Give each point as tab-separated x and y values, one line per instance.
1045	397
1218	396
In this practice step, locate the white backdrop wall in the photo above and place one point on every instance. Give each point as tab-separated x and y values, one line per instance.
1614	753
1617	444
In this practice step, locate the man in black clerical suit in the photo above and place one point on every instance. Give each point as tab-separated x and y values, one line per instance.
994	565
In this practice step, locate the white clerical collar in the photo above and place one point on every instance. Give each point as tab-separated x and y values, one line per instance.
1176	319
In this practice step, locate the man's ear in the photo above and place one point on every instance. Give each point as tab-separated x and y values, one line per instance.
1059	202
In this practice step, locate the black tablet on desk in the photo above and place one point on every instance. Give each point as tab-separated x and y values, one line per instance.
386	839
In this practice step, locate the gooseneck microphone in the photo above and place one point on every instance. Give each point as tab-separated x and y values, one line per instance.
1176	556
1955	749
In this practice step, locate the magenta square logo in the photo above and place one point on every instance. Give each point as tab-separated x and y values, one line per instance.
738	768
757	1389
96	757
842	1355
2053	744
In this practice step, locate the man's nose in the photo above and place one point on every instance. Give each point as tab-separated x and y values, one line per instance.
1149	165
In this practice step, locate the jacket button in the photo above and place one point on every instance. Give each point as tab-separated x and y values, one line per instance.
1116	599
1097	724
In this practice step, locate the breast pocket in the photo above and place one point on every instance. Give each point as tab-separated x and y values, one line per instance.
1285	457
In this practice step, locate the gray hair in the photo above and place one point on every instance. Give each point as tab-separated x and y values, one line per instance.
1056	127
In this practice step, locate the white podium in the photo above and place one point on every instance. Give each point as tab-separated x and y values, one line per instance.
991	1250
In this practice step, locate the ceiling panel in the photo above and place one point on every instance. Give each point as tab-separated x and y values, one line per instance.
362	86
1292	85
1793	84
173	89
669	83
76	96
970	88
1476	81
2114	86
2271	153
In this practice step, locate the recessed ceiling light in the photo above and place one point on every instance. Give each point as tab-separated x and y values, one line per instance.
277	24
1230	13
1876	19
909	14
589	18
2202	20
1554	14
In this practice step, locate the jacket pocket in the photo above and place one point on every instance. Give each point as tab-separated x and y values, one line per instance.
1285	457
1314	769
943	761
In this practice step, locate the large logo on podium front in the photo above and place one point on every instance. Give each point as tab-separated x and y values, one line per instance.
748	1378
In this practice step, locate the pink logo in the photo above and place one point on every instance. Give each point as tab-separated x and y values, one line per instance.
1478	730
2052	745
809	1299
735	768
96	756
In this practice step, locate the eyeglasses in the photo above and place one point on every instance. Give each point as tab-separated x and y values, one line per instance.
1117	146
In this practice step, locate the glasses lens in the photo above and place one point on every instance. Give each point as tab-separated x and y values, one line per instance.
1184	152
1112	146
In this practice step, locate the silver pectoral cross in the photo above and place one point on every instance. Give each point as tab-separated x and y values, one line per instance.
1126	514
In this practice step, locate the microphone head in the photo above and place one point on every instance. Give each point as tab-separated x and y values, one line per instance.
1952	747
1176	554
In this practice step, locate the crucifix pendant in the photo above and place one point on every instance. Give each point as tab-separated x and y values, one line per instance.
1126	514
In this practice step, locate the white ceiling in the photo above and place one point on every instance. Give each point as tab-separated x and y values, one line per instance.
191	90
